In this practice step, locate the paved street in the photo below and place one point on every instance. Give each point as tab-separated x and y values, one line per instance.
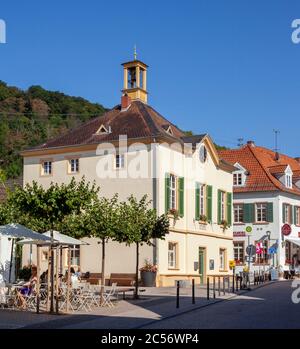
266	307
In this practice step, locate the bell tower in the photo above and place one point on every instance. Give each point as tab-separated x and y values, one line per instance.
135	79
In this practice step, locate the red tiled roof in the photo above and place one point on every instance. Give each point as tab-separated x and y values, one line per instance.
138	121
263	167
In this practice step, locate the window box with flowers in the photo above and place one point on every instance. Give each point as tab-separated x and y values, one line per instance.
224	225
148	274
174	213
203	219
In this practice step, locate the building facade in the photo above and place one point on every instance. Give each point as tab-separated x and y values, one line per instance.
132	149
266	206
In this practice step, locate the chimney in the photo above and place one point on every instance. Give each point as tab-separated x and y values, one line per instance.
251	143
277	156
297	159
125	101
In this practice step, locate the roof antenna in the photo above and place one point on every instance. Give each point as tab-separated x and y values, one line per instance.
240	142
134	53
276	133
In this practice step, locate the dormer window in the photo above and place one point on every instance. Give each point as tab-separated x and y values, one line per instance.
239	176
288	174
288	181
237	179
102	130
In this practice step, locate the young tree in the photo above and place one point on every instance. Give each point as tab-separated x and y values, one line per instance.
99	221
139	224
46	209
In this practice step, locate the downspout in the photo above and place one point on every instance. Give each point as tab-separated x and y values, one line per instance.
155	195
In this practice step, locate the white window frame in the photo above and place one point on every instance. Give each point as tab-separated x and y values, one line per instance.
259	207
173	192
223	206
222	259
74	250
288	181
202	206
287	211
238	208
172	255
297	214
239	247
47	168
74	165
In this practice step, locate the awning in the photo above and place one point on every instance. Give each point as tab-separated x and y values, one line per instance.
58	239
18	231
294	241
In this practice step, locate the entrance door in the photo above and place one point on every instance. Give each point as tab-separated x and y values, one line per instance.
202	264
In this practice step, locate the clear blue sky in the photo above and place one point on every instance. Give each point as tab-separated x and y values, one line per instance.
225	67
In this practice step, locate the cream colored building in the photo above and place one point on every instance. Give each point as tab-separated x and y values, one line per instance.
132	149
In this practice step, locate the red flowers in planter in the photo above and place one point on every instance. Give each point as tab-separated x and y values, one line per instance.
148	266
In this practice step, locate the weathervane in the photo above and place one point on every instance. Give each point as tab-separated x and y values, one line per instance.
134	53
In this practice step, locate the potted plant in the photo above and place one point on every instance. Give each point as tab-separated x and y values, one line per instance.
175	214
224	224
148	274
203	218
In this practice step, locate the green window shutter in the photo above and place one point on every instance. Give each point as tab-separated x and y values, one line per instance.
270	212
209	191
219	206
249	214
197	202
283	213
167	192
181	196
229	208
295	215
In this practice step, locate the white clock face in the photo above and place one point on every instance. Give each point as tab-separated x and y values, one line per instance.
202	153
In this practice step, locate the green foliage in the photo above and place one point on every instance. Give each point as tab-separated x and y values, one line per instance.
220	147
43	209
138	223
29	118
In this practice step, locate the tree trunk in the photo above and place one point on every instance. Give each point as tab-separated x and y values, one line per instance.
136	294
102	271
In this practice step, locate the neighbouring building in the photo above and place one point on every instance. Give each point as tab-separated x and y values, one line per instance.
266	206
132	149
6	256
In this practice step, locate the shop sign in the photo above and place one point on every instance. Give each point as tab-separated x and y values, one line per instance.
286	229
237	234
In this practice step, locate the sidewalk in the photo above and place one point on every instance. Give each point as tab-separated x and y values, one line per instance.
154	304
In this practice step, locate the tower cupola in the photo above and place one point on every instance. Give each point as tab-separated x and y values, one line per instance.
135	80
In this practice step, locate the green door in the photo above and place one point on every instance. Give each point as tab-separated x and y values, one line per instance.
202	264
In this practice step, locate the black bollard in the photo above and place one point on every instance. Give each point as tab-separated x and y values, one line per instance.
233	272
177	295
214	286
193	291
219	285
207	284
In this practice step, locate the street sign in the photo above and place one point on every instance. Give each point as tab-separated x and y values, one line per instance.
248	229
286	229
272	250
239	234
231	264
259	248
250	250
251	259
